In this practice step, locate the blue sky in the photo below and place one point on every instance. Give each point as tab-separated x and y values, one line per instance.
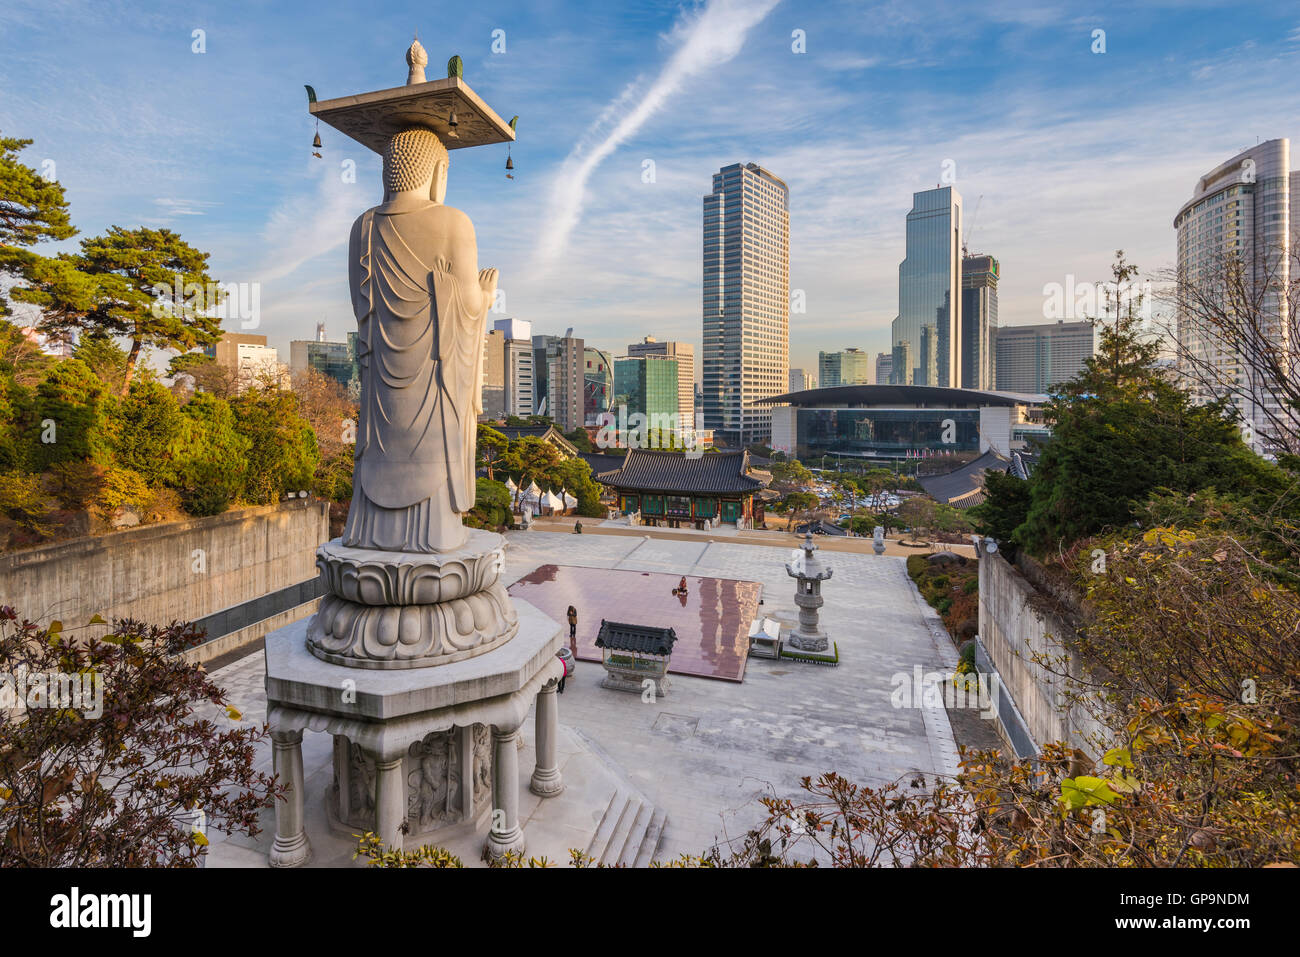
1075	153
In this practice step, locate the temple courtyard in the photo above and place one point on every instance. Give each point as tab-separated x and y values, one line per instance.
652	780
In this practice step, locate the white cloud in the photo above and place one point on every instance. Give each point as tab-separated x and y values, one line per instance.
705	41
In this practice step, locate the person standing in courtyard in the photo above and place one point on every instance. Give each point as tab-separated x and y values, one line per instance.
573	628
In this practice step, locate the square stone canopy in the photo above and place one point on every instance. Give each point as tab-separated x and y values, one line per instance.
373	118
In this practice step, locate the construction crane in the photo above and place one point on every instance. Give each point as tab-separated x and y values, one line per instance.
965	249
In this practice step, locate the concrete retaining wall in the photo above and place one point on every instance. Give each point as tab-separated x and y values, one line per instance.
1021	640
175	570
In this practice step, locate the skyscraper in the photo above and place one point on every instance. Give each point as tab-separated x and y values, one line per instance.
558	379
648	385
1034	358
684	353
801	381
746	301
598	384
848	367
508	369
494	375
884	368
929	283
1247	210
979	321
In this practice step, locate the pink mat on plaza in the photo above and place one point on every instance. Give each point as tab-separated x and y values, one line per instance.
711	620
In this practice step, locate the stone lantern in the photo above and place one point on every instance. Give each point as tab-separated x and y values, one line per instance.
807	569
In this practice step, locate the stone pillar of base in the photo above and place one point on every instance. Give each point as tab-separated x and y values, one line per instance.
546	779
506	834
291	847
390	800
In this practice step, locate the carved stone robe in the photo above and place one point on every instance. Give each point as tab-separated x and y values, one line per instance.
419	349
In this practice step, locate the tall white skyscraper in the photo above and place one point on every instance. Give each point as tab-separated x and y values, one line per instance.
1245	209
929	292
746	301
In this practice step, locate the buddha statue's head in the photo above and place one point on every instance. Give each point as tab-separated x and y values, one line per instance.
415	160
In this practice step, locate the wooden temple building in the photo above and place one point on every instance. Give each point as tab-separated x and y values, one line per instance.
677	489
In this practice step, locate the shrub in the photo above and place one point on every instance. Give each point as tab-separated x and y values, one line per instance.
77	484
282	451
122	487
23	501
114	779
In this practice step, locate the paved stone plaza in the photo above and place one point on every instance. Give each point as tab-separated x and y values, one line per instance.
705	753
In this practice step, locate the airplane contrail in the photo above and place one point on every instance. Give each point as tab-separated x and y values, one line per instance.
710	38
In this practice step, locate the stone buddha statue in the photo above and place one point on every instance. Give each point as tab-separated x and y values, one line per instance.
421	305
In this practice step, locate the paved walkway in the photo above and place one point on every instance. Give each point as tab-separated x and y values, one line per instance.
728	533
710	749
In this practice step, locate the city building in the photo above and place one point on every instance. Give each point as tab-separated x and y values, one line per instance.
746	307
801	380
849	367
900	422
675	488
929	299
979	321
558	379
684	353
1035	358
648	385
251	359
337	360
1246	209
900	364
884	368
494	375
598	385
517	366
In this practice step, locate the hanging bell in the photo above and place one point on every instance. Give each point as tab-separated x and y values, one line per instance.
452	124
510	164
316	141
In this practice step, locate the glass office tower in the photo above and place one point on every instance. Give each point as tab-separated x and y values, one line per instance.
979	321
746	301
929	290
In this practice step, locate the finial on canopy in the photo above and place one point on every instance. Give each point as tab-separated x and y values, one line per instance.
416	60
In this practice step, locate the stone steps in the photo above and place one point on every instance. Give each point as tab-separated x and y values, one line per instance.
629	831
653	836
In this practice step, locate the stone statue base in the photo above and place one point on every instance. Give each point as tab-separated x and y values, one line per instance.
448	778
618	679
803	641
394	610
417	752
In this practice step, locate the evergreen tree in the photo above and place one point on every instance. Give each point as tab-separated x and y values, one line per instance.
145	427
211	456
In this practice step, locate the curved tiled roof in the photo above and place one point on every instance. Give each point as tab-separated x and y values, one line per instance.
963	487
646	639
657	471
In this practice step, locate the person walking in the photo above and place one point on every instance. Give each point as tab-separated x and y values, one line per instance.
573	628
